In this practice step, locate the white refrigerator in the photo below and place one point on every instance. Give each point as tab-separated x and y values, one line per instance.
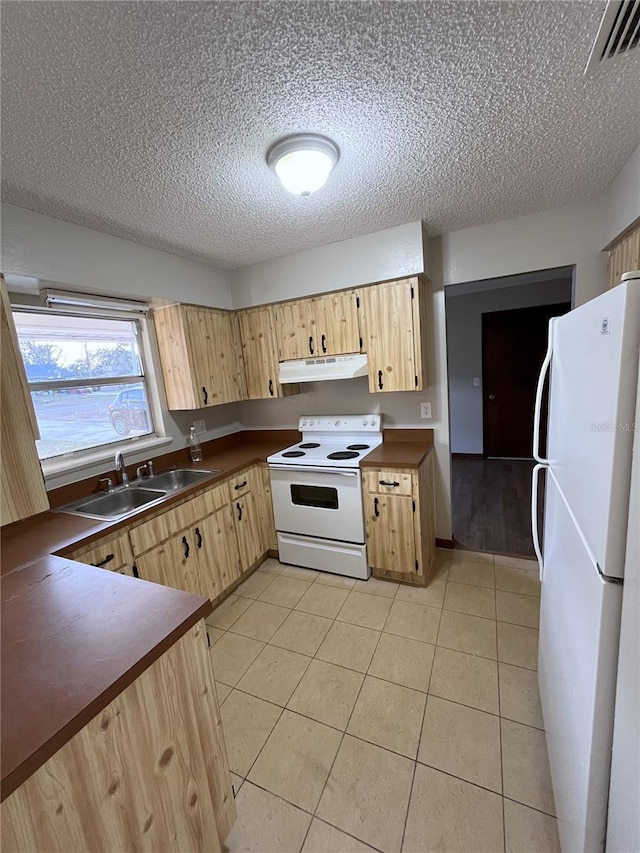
593	360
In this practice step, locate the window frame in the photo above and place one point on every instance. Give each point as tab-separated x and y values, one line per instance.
148	378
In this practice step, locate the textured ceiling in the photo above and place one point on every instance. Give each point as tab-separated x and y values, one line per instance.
151	120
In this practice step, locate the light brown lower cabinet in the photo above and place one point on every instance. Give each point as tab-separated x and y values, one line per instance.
400	522
148	773
390	536
248	530
174	563
265	508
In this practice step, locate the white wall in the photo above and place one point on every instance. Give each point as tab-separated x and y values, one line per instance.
56	251
393	253
464	346
622	200
565	236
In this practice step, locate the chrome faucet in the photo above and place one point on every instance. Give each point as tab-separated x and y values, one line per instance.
121	469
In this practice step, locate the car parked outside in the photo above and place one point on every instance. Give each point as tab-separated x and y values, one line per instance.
129	411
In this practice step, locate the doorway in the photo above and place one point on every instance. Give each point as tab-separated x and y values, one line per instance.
514	343
496	340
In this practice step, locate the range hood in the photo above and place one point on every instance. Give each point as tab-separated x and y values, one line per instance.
322	369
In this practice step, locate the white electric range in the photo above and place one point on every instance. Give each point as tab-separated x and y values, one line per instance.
316	489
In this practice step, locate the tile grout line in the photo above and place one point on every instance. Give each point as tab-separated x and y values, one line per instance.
343	735
365	675
504	826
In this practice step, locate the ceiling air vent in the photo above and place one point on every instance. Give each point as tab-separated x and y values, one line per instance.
619	32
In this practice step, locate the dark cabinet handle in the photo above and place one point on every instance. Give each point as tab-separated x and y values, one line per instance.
240	485
271	387
323	341
135	571
185	545
311	344
380	379
104	562
198	538
239	508
205	395
376	511
385	483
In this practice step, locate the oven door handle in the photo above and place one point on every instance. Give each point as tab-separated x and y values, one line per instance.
311	470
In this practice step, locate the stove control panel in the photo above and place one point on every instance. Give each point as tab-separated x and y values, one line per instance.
340	423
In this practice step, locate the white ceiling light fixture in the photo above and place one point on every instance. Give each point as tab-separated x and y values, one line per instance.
303	162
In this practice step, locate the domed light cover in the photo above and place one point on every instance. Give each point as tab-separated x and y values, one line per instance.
303	162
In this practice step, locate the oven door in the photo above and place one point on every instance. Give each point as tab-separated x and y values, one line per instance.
321	502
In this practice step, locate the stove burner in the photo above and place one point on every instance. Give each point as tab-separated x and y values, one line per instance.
309	444
289	453
343	454
358	446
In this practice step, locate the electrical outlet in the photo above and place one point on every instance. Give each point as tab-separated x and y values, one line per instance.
476	381
200	426
425	410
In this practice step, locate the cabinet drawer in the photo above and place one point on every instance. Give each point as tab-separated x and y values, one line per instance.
160	528
388	482
245	481
112	553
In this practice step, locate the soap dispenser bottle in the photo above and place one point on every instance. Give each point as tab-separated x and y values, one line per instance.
195	448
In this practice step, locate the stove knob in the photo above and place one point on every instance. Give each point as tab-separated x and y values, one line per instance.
304	422
365	422
337	423
311	423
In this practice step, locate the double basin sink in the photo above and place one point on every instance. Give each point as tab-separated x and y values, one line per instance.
126	500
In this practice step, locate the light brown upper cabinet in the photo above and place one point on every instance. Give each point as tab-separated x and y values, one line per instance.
624	255
23	489
260	354
394	317
296	332
200	356
321	325
337	323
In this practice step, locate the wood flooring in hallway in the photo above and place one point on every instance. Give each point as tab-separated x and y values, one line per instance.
491	505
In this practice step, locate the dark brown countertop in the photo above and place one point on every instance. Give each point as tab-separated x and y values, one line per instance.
55	532
401	448
73	638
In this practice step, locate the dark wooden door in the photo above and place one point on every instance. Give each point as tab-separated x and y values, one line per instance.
513	348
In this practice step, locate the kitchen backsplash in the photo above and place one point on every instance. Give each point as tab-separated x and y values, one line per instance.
342	397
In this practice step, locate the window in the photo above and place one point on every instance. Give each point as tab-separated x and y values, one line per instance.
87	379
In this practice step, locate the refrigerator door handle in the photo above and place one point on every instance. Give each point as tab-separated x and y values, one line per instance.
539	393
535	479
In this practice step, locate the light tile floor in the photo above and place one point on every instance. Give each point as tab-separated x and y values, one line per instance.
367	716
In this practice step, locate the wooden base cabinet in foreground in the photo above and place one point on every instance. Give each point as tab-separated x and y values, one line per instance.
148	773
399	513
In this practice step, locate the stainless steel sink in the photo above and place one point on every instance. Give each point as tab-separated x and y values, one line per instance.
116	504
178	478
126	500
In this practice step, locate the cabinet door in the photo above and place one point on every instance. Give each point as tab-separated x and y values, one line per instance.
174	564
296	329
216	370
112	552
23	489
217	552
390	533
337	323
247	522
260	355
393	314
265	511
